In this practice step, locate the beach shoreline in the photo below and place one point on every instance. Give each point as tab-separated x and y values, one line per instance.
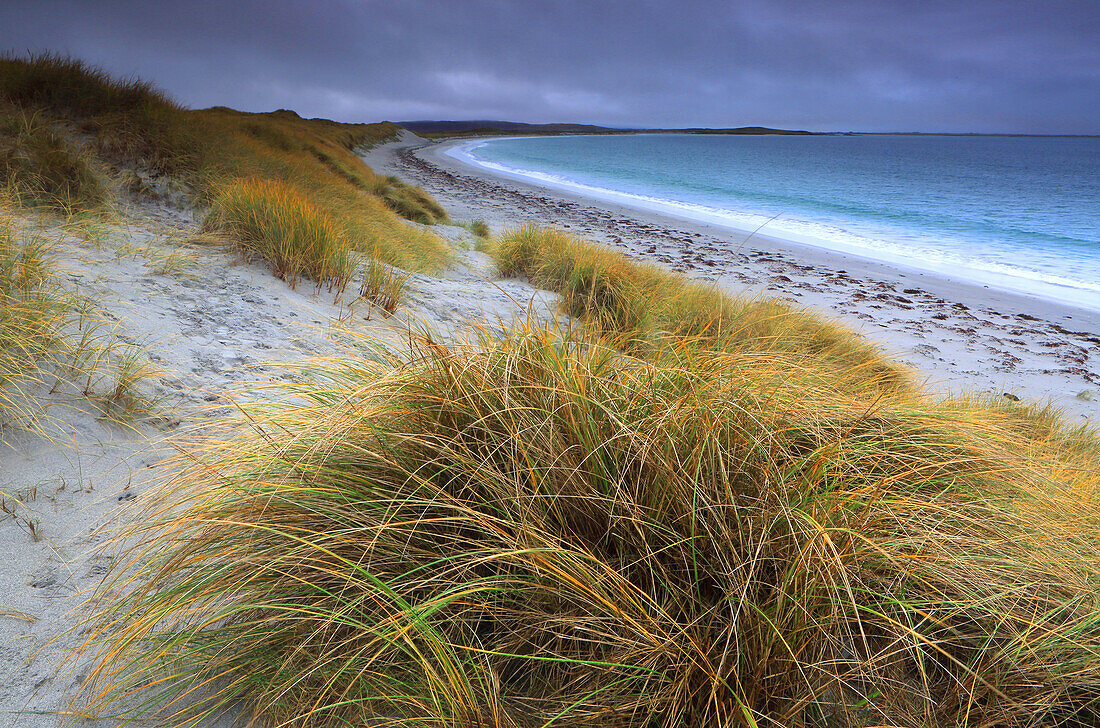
958	335
794	228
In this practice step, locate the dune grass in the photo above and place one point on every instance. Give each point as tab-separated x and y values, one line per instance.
480	228
382	286
34	314
55	344
275	222
409	201
689	510
129	120
316	158
545	531
39	167
643	303
72	87
129	123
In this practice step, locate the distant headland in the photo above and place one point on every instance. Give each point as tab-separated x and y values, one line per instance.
482	127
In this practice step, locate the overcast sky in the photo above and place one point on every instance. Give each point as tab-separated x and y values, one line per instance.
865	65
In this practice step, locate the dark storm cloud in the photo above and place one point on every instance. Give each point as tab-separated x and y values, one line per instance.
982	65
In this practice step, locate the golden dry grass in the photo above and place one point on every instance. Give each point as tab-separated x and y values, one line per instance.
275	222
316	158
131	124
643	304
382	286
33	316
545	531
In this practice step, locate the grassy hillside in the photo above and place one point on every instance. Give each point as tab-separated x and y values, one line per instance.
63	120
679	509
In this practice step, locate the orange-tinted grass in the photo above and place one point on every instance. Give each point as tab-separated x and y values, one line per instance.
277	223
545	531
645	303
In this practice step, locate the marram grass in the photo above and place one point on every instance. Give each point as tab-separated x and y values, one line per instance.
52	342
34	316
277	223
642	303
545	531
39	167
129	124
382	286
408	201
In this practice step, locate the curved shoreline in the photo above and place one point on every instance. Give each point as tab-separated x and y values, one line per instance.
962	336
1020	281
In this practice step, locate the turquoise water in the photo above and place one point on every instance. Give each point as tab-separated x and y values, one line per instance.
1020	213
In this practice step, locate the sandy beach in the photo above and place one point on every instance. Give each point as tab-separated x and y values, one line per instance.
550	365
213	325
959	336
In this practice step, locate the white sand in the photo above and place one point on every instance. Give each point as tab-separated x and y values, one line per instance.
962	337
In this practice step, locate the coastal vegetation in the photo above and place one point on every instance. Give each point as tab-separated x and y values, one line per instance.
146	142
38	167
643	303
277	223
382	286
411	202
33	316
673	508
541	530
480	228
53	342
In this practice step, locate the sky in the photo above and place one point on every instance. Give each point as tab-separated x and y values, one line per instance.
995	66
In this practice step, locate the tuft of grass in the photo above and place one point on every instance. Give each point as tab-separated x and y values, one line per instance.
275	222
408	201
39	167
543	531
643	303
382	286
123	399
480	228
171	262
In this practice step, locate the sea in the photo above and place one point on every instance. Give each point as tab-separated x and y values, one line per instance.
1011	212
